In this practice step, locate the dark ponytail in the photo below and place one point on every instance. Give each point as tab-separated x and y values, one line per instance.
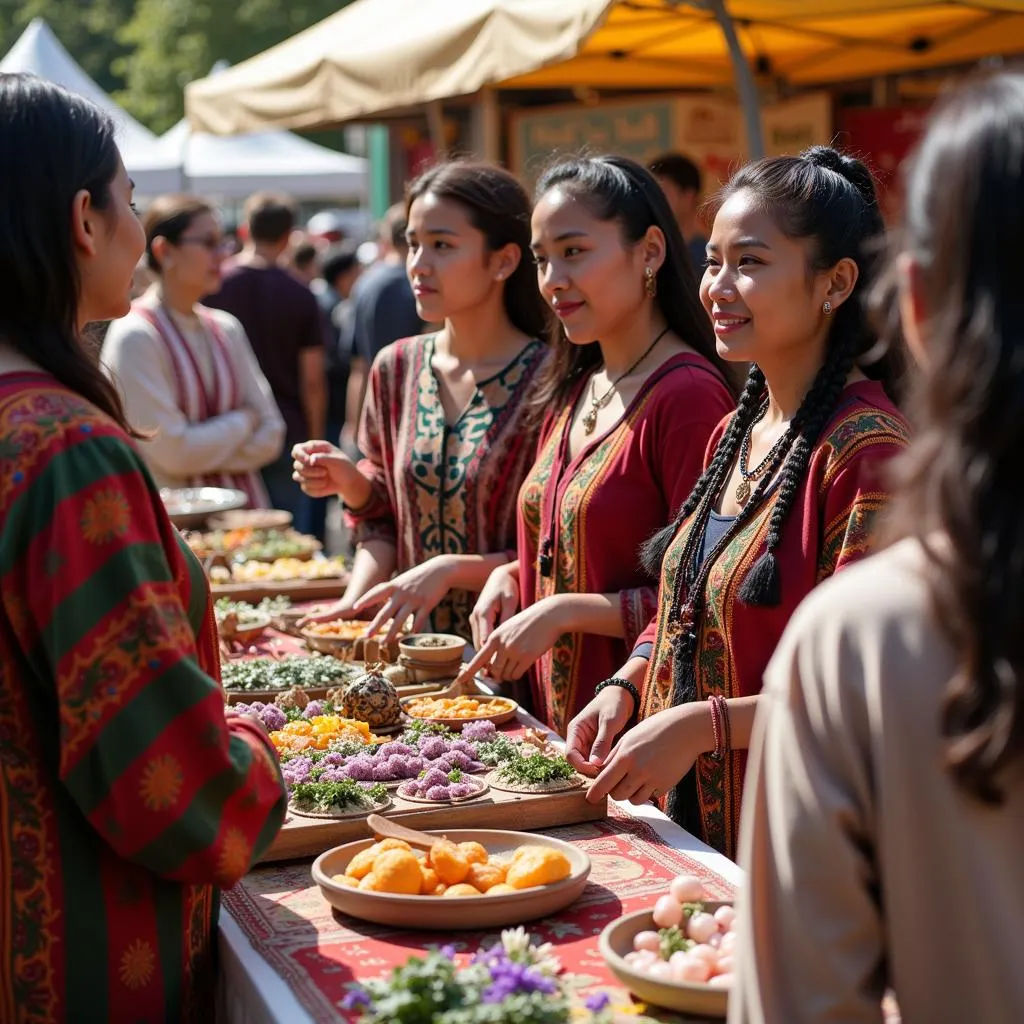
828	198
54	145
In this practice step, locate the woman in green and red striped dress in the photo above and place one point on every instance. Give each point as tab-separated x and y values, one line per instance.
127	796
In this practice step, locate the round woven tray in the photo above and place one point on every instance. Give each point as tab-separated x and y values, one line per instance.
341	815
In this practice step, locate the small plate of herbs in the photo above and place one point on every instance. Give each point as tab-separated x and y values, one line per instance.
266	676
338	798
535	773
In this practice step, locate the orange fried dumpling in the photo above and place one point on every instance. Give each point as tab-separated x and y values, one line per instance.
474	852
501	889
362	863
448	861
461	890
537	865
398	871
347	880
483	876
430	881
369	883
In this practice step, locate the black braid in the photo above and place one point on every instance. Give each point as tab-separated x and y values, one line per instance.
763	584
652	552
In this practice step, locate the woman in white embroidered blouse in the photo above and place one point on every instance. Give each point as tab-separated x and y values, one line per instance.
187	373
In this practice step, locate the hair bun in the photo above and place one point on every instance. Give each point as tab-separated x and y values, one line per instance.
852	169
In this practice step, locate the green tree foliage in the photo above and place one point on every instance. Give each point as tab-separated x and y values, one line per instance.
144	52
87	28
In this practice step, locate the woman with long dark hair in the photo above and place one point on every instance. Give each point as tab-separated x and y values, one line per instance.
629	399
444	431
890	743
790	492
127	792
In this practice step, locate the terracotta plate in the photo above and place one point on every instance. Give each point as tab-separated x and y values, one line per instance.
498	718
481	789
617	940
440	914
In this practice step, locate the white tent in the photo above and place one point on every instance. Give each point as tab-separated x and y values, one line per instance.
39	52
233	167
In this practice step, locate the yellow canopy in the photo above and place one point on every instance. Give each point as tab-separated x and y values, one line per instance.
377	57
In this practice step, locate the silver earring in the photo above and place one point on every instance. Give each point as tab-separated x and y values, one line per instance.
827	308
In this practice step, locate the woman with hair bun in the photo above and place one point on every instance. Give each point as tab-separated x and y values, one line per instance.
884	818
791	489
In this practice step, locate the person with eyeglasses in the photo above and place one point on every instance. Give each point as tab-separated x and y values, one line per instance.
187	373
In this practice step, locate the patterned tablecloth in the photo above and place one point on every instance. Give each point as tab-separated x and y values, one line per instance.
289	955
317	952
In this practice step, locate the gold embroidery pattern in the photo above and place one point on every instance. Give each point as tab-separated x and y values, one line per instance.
137	964
161	783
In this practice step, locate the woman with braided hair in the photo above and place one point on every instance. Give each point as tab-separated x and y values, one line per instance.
791	489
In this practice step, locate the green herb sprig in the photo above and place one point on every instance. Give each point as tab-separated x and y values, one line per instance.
536	769
325	796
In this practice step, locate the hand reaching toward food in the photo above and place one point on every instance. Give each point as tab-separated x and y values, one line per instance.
497	603
516	645
592	732
416	592
650	759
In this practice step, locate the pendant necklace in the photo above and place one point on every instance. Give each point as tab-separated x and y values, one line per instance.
589	420
749	476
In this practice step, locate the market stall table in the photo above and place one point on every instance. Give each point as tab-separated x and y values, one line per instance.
286	957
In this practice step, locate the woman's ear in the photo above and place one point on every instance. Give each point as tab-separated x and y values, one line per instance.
505	260
160	248
842	279
653	248
84	228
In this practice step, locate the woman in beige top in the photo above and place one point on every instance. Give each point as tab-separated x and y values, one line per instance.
883	821
187	374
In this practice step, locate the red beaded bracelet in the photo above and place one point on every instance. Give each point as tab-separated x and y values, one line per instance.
720	725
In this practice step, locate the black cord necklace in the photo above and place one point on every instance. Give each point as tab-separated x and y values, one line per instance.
589	420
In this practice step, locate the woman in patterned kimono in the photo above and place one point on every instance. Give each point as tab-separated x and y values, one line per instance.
629	400
445	430
127	793
188	375
792	487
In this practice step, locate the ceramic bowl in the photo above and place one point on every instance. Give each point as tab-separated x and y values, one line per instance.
438	913
509	710
617	940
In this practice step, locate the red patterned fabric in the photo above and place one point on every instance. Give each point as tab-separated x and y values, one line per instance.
125	795
598	508
318	952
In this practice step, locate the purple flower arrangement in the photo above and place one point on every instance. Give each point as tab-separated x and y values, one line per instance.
513	982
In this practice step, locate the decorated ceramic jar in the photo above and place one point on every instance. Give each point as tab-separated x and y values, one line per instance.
372	698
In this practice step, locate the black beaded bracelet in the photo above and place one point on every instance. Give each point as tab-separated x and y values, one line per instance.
625	684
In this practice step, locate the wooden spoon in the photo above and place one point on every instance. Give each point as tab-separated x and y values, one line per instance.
385	828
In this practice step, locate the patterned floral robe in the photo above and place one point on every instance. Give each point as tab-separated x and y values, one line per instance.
125	793
622	487
829	527
440	489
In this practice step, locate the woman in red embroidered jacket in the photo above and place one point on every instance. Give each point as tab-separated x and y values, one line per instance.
187	374
792	487
127	793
